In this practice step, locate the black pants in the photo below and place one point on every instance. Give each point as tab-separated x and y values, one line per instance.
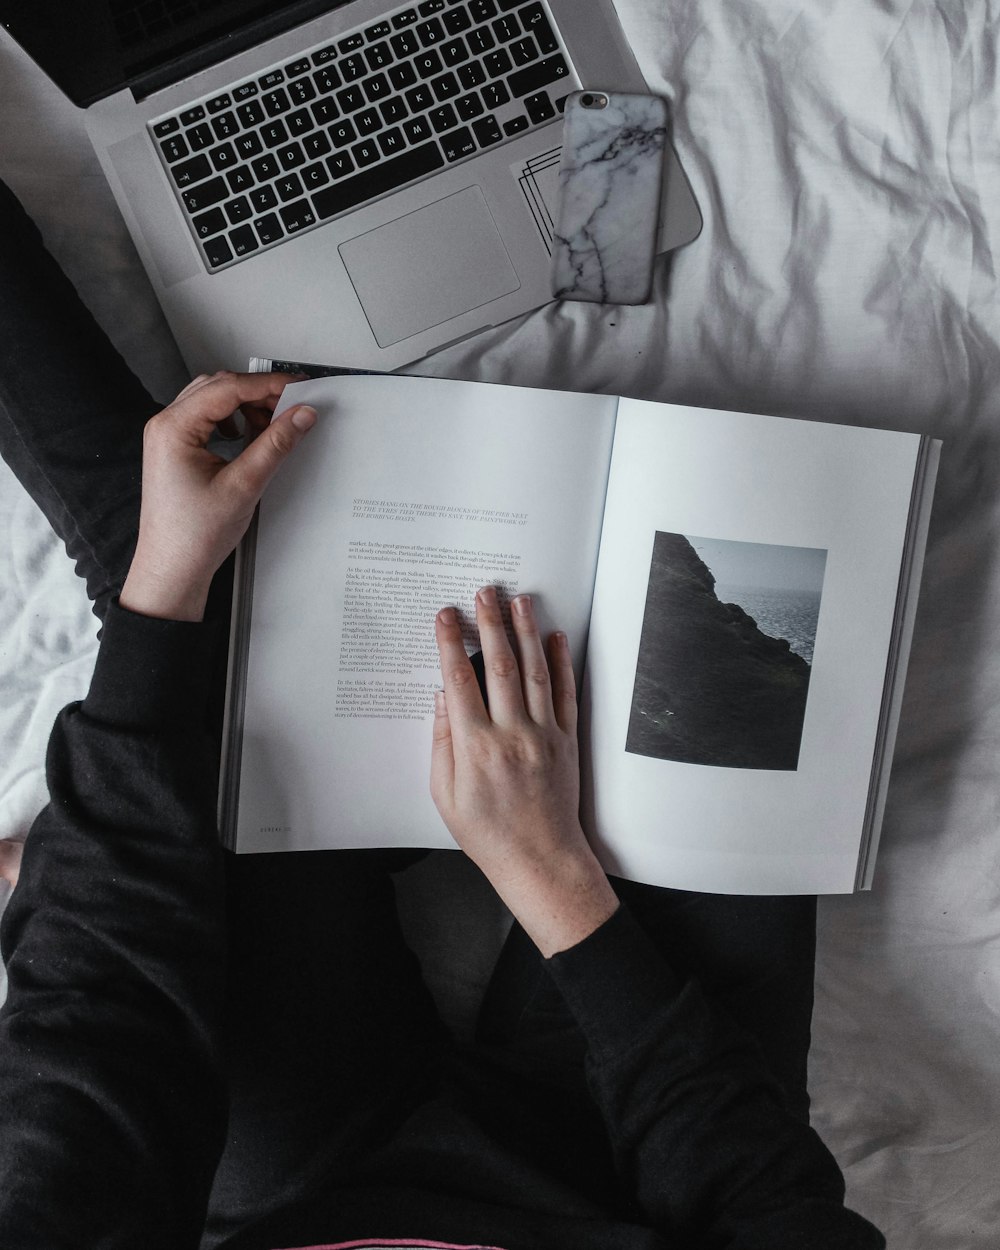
334	1037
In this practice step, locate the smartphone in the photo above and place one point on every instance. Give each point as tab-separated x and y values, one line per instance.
610	179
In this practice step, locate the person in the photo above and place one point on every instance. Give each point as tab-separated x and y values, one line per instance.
199	1049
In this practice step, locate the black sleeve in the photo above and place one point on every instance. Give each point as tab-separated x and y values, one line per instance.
113	1108
697	1124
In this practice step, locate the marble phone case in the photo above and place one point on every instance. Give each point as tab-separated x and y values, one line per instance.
610	177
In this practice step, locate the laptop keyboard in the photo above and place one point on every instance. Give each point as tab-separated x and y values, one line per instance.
346	122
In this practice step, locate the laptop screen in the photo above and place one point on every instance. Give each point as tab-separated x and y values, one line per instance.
93	48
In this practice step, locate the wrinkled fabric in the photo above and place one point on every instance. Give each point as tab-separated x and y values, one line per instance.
844	158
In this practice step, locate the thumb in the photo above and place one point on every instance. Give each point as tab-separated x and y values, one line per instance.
260	461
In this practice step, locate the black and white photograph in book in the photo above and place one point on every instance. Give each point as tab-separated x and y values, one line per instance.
726	652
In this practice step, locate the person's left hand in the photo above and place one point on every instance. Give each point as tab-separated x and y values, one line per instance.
10	860
195	506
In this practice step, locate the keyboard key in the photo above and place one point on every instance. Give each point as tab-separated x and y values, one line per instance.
238	210
377	87
458	144
174	149
205	196
419	98
327	79
207	224
378	56
277	102
218	252
524	51
456	21
288	188
167	127
219	103
224	156
271	80
291	156
300	123
301	66
392	110
379	31
446	87
265	167
413	163
430	6
482	10
251	114
314	176
365	152
505	5
487	131
402	76
471	75
428	64
443	118
297	216
353	67
193	170
274	134
469	106
497	63
496	95
248	145
316	145
367	121
192	115
244	91
405	43
351	43
269	228
430	33
533	18
240	179
225	125
243	240
539	107
417	129
406	18
324	55
351	99
535	77
301	91
391	141
515	126
480	41
341	134
340	164
263	198
454	52
200	137
506	28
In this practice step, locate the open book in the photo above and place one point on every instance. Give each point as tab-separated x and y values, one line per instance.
738	592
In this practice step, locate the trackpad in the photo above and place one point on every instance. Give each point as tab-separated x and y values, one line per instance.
429	266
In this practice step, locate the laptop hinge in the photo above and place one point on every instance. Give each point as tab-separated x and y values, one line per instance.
211	52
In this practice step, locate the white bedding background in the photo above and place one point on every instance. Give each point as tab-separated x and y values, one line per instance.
844	155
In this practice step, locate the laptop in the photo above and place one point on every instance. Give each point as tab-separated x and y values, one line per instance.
359	183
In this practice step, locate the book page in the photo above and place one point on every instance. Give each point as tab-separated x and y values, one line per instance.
408	494
742	618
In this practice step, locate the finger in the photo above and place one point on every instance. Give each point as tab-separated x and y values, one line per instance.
10	860
535	682
466	710
563	683
442	755
503	679
254	467
206	402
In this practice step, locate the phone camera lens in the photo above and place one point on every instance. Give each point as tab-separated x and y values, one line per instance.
587	100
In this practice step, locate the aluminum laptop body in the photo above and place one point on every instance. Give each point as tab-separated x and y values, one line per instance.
388	281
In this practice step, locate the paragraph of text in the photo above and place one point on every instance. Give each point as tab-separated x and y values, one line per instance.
395	510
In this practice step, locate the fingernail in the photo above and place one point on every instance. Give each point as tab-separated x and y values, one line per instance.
304	418
561	639
448	616
487	595
439	703
522	605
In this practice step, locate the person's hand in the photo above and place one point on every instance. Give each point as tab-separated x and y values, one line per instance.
10	860
195	505
507	781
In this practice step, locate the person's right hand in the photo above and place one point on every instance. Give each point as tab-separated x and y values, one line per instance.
507	781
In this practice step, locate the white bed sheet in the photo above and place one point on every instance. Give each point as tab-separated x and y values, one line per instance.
844	156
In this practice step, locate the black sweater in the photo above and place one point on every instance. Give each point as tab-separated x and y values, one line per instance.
112	1092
